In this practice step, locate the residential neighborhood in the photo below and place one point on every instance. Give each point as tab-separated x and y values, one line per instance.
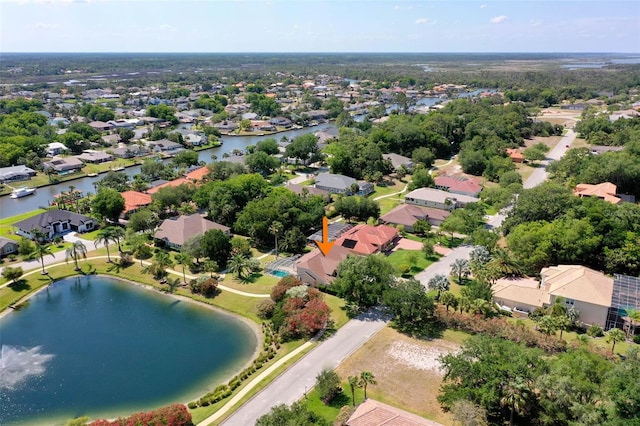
375	233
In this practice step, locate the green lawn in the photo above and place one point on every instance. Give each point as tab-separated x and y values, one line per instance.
258	283
6	228
330	412
415	259
389	203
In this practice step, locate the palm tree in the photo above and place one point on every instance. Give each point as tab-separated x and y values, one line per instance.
632	315
505	262
105	236
77	249
440	283
275	229
449	299
563	322
183	260
367	378
239	264
615	335
42	250
460	267
163	261
353	384
210	266
515	397
118	235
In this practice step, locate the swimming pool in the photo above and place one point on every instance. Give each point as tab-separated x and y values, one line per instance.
279	273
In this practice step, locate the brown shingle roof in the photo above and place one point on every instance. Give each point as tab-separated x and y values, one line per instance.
178	230
408	214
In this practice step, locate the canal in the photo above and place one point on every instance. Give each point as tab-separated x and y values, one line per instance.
42	197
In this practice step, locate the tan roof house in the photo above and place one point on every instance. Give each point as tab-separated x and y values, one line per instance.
438	199
408	214
606	191
176	231
376	413
589	291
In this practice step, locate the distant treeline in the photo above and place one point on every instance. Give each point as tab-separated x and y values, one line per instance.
420	70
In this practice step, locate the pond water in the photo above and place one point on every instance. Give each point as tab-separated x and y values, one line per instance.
104	348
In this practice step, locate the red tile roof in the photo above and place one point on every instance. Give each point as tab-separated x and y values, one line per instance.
134	200
461	185
173	183
198	174
606	191
367	239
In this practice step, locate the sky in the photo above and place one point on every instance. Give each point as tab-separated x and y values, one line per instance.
319	26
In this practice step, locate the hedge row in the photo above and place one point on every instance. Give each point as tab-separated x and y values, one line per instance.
500	327
270	348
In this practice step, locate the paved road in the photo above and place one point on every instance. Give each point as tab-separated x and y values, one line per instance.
292	384
57	257
539	175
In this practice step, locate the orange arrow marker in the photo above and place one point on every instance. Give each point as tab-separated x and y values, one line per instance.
326	245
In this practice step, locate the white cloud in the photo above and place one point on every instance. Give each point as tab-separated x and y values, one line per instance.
482	6
167	27
421	21
535	22
44	26
498	19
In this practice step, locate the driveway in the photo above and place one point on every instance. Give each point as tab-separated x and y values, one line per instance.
443	266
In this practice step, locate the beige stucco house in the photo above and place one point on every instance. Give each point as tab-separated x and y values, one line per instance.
589	291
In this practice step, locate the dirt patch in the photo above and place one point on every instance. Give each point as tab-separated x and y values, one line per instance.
407	371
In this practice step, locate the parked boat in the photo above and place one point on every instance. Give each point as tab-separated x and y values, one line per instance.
22	192
92	174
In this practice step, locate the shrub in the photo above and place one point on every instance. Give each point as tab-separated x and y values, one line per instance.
174	415
595	331
328	385
636	339
279	291
265	309
209	288
192	405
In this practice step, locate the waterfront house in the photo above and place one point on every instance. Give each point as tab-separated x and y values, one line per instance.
16	173
94	157
63	166
314	268
55	148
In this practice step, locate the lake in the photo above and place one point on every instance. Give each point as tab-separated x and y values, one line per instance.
104	348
